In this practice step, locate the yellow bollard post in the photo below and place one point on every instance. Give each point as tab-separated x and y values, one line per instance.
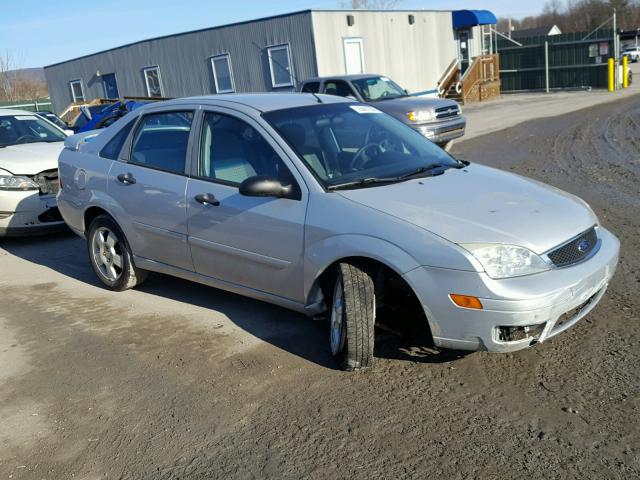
612	85
625	71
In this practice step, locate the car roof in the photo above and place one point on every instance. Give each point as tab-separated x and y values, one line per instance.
9	111
263	102
358	76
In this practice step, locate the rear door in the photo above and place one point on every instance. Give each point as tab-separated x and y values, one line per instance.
256	242
149	187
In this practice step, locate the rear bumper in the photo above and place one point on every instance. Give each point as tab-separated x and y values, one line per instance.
28	213
444	131
547	303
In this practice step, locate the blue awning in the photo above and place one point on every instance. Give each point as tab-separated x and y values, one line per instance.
470	18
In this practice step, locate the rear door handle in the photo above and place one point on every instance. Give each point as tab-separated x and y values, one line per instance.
207	199
126	178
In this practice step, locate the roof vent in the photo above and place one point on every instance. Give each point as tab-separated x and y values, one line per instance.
412	19
350	20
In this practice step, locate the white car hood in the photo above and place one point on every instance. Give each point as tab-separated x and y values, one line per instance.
479	204
30	158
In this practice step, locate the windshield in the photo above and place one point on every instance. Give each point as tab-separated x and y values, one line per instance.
27	128
53	119
348	142
373	89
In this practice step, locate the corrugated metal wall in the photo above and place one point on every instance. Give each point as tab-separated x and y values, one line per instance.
573	62
184	60
414	55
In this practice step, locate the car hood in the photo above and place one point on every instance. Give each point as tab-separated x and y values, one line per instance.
399	107
30	158
479	204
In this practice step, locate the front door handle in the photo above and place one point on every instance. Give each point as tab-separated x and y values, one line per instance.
126	178
207	199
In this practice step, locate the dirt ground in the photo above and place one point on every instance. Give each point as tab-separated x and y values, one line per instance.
180	381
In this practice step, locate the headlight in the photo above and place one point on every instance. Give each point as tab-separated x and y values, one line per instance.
12	182
423	116
504	261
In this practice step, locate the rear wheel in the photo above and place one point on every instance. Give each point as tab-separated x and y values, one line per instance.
353	313
111	257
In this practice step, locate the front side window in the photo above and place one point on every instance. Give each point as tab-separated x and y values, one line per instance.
153	82
344	144
161	141
280	66
339	88
232	151
77	92
373	89
222	74
19	129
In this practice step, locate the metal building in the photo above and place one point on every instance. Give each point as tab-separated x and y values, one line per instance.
270	54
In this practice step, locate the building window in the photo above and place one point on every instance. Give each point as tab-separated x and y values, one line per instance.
222	73
77	92
280	66
153	82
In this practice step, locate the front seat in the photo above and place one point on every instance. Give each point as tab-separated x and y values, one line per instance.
296	135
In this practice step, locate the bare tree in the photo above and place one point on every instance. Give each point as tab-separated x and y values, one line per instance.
16	86
369	4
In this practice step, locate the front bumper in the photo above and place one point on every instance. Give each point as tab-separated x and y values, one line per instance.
28	213
443	131
551	301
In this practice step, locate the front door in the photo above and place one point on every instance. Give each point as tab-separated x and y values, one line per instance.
463	46
255	242
353	56
110	86
149	189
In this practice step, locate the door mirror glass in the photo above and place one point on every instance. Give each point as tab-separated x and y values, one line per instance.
263	186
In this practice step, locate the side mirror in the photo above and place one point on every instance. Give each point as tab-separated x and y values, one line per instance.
262	186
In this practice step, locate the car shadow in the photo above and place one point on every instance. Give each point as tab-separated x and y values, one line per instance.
66	254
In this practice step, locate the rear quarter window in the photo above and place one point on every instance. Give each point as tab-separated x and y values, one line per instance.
112	149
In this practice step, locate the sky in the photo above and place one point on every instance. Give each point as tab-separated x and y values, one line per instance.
41	32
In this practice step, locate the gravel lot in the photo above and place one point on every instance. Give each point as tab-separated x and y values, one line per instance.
177	380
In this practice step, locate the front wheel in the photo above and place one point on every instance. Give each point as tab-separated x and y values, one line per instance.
353	315
111	257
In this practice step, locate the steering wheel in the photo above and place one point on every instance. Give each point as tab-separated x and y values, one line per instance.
24	137
361	158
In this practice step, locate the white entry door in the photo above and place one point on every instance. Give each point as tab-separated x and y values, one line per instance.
353	56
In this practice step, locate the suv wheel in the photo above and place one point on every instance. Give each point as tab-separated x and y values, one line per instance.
353	313
111	257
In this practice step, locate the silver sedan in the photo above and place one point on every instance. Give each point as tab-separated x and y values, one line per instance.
330	207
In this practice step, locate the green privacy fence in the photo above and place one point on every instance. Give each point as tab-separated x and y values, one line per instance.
566	61
35	105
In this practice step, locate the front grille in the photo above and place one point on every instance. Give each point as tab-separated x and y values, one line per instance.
576	250
47	181
447	112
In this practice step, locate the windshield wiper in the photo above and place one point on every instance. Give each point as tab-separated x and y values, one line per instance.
364	182
428	171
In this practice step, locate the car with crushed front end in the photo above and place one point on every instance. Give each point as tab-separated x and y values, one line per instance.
327	206
29	150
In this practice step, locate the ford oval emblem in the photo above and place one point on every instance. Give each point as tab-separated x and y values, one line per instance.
584	245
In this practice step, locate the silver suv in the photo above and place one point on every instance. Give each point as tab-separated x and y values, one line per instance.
330	207
440	120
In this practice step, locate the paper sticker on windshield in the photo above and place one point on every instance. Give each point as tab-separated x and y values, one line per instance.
364	109
384	79
25	117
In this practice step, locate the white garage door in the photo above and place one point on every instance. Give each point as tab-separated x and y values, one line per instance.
353	56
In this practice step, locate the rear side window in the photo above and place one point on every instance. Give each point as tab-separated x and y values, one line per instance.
112	149
311	87
339	88
161	141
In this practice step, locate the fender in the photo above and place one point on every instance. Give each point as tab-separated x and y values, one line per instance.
321	255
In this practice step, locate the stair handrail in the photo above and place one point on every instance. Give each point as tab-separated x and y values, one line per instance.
451	70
